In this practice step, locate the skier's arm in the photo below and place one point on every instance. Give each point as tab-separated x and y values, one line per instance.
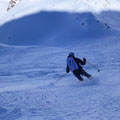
82	62
67	69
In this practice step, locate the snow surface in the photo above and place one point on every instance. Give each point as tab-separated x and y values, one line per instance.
33	52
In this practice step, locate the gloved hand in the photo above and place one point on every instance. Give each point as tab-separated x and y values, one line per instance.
84	59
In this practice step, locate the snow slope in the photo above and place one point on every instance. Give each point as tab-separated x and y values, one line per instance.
26	7
27	72
56	23
54	28
32	57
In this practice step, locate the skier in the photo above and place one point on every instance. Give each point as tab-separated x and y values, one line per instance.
74	65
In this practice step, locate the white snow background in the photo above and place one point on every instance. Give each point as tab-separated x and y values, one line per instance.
36	37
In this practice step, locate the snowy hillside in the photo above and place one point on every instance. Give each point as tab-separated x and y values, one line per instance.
26	74
36	37
26	7
53	23
54	28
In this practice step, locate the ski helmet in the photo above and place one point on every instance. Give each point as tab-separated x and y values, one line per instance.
71	54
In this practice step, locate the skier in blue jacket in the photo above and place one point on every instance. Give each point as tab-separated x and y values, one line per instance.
74	65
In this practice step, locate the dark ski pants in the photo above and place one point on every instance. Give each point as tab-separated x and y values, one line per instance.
80	72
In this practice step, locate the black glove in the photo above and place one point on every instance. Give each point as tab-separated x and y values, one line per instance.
84	59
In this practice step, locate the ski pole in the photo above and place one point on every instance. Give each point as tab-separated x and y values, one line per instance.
93	66
60	78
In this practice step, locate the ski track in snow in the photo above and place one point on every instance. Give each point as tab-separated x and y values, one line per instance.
25	94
